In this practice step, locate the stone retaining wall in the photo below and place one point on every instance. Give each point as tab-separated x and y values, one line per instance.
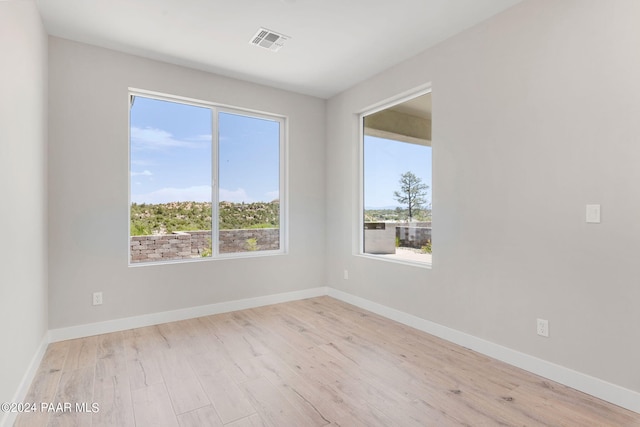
413	236
266	239
382	237
192	244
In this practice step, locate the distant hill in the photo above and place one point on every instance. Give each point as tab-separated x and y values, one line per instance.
393	214
148	219
380	208
249	215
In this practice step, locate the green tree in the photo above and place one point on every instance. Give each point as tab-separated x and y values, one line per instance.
412	194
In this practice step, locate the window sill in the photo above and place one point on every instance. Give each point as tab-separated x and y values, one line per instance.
392	258
227	256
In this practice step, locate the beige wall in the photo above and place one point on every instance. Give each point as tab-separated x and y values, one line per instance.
88	170
23	262
535	115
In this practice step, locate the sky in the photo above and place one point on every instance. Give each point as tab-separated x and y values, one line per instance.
171	157
171	154
384	162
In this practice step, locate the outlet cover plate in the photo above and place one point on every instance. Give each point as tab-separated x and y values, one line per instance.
97	298
543	327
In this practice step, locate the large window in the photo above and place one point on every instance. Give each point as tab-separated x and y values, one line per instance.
397	185
205	181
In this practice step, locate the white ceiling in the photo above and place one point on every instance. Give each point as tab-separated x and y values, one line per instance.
334	43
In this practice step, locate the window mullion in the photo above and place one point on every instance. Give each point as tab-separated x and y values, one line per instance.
215	180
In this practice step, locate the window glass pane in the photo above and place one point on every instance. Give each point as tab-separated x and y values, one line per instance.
397	181
249	183
170	155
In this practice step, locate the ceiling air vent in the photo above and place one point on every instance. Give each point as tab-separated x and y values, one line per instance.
269	39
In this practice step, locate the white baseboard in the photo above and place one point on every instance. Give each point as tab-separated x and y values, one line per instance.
9	418
123	324
601	389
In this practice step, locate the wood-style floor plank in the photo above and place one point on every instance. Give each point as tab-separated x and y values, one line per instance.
81	353
44	385
152	407
274	409
205	416
113	395
183	386
229	401
316	362
250	421
75	388
143	369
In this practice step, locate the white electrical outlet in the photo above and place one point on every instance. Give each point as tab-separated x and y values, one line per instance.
97	298
543	327
593	214
346	275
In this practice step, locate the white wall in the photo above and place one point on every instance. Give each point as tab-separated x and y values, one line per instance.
88	191
23	206
535	115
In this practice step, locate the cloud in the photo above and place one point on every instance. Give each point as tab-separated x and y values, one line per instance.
235	196
139	162
152	138
272	195
143	173
199	193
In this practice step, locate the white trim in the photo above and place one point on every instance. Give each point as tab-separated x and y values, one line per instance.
420	264
397	99
123	324
9	418
283	196
358	248
376	108
596	387
215	184
131	100
199	102
601	389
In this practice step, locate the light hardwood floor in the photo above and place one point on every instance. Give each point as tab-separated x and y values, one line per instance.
314	362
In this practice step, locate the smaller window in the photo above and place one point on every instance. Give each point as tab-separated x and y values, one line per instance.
397	184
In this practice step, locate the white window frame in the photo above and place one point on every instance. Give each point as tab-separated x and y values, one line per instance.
216	108
375	108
